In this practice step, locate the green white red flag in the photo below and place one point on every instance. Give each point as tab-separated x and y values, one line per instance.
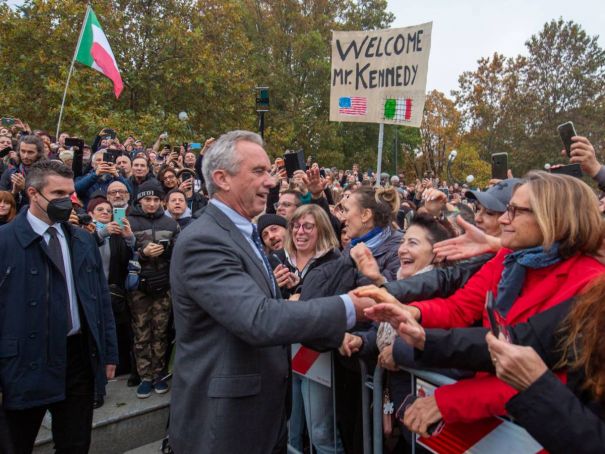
95	52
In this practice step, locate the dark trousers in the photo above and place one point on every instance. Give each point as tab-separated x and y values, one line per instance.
71	418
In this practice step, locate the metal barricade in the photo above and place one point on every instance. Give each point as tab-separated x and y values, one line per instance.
331	385
372	436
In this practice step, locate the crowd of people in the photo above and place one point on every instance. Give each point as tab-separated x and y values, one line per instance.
168	250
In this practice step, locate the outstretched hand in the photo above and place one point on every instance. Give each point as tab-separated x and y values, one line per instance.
403	318
470	244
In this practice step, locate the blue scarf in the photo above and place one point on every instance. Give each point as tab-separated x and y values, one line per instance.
513	275
367	237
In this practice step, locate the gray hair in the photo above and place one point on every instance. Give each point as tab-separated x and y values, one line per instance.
222	156
93	158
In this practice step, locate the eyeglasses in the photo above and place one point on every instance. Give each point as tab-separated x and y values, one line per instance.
283	204
117	192
513	210
307	227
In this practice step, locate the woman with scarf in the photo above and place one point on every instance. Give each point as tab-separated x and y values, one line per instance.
116	245
550	227
380	343
368	215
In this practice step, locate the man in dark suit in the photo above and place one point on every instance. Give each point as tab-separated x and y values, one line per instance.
57	332
233	332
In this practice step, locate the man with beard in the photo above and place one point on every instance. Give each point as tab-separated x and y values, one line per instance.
272	230
31	149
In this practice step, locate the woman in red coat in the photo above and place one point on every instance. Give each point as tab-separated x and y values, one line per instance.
551	225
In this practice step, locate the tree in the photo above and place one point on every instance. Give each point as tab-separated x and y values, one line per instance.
515	104
440	131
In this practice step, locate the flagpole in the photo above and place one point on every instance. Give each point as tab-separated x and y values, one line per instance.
71	68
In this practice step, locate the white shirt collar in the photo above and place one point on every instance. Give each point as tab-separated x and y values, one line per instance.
41	227
240	222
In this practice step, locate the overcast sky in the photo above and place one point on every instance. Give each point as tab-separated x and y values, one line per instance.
466	30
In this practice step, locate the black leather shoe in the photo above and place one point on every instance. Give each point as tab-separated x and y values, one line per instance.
98	402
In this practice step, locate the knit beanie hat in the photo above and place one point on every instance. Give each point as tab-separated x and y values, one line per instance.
270	219
150	188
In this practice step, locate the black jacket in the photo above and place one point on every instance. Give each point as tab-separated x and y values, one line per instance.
437	283
151	228
279	257
562	418
340	276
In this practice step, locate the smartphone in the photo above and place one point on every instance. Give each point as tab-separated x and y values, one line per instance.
573	170
176	150
164	243
500	166
5	151
118	215
495	320
185	176
110	133
8	121
74	142
294	160
195	146
567	131
109	156
434	429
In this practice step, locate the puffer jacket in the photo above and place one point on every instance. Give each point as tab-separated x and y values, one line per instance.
151	228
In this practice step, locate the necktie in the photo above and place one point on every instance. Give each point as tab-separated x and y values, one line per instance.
259	246
56	255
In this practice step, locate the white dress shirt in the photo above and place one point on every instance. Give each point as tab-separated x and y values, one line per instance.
41	228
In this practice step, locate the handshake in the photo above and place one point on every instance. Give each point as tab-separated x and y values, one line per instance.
373	303
367	296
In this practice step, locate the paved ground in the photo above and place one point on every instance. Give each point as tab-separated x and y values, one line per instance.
151	448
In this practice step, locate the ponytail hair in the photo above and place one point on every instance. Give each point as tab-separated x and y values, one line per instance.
383	203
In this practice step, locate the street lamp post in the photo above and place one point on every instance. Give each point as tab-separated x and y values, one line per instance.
262	106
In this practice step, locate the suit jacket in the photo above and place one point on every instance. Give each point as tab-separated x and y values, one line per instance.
233	341
33	326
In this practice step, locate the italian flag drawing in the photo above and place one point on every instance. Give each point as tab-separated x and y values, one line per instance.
93	50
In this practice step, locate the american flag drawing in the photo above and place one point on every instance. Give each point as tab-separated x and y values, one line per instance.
352	105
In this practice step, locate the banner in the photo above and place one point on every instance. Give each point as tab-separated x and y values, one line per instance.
313	365
379	76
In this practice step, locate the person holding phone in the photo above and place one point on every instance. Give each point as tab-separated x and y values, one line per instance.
150	304
540	265
98	179
195	199
116	243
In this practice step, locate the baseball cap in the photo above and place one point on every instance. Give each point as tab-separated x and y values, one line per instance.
498	196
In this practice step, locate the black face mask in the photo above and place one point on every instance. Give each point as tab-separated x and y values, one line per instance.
58	210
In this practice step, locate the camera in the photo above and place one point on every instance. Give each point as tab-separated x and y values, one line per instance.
84	218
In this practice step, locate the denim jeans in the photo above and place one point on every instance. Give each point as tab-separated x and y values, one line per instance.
316	401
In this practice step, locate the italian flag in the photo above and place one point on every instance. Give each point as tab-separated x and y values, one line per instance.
93	50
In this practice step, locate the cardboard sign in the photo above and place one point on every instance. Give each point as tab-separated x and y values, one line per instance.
379	76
